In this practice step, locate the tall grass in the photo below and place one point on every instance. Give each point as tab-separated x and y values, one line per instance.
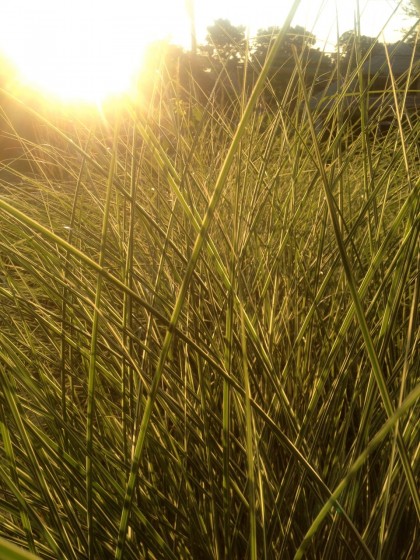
209	332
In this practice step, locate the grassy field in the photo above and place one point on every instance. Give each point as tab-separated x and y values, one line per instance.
209	333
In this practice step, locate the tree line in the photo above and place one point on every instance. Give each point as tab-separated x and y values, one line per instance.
228	59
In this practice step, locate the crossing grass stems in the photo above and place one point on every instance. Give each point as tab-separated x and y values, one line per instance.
208	333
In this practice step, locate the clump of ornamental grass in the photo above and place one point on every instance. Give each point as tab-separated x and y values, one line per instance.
208	332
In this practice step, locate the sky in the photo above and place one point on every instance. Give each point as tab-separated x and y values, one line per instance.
317	16
89	48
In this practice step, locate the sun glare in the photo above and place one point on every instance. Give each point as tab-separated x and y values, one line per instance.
84	50
89	50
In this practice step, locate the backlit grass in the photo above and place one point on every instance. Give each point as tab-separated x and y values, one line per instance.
209	333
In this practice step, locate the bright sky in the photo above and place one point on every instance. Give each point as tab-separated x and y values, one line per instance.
87	49
318	16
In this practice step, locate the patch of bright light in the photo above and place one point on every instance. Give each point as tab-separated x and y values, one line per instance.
84	49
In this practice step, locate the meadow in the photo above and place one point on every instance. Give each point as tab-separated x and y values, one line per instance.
209	330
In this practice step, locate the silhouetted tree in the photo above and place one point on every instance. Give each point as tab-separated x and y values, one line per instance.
225	41
410	9
296	37
413	13
298	42
352	48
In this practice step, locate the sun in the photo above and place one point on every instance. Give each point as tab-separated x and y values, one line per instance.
85	50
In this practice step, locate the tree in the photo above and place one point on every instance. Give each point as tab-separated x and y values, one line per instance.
296	36
314	63
412	11
225	41
352	47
